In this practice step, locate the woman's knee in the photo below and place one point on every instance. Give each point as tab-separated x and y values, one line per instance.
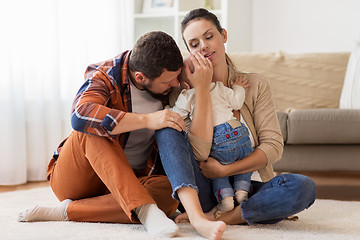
302	182
166	134
303	187
164	131
309	189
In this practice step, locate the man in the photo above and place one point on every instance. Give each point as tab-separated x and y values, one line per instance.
105	170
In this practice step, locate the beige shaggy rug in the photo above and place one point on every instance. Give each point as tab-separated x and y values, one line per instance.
326	219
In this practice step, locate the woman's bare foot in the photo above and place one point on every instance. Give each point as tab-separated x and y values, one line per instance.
182	217
211	214
210	229
232	217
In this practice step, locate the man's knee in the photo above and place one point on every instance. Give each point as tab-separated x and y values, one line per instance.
156	183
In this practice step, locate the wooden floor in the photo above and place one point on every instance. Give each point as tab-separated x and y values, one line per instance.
334	185
26	186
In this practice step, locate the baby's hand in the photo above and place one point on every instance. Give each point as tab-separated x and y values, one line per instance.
241	82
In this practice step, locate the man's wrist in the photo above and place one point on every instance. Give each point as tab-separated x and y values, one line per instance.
144	118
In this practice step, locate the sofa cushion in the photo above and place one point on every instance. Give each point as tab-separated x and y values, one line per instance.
299	81
318	158
323	126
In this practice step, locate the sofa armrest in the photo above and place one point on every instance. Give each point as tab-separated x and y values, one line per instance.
283	117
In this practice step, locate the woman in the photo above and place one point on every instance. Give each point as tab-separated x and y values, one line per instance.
269	202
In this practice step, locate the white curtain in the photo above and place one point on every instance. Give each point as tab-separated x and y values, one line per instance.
45	47
350	95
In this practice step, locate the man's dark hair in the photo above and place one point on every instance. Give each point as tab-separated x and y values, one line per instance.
154	52
197	14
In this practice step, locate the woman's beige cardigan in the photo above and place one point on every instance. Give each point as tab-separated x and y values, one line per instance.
260	115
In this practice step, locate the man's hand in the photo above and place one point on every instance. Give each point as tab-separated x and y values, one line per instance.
211	168
164	118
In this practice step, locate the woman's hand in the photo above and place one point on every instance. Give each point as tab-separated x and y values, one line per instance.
199	71
211	168
202	122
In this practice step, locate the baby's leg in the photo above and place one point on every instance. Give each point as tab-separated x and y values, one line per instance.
224	194
241	195
226	205
242	183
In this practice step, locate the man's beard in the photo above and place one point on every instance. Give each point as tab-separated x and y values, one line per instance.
159	96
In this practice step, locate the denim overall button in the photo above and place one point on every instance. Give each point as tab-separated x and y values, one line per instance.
235	133
227	135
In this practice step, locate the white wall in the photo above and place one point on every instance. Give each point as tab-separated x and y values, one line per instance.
294	26
305	25
239	26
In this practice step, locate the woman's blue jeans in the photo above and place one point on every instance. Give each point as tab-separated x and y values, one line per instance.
269	202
